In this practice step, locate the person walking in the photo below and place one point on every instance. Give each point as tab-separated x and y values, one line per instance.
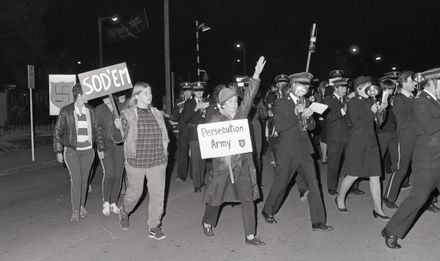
146	156
76	133
219	187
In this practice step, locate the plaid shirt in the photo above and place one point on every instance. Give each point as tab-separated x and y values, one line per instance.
149	147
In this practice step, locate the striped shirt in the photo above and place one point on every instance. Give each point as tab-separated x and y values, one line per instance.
82	140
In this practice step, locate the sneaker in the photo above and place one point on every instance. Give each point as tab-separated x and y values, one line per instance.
75	216
106	209
254	242
83	212
156	233
114	208
124	221
303	195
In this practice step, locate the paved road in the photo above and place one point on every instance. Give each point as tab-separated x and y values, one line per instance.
35	212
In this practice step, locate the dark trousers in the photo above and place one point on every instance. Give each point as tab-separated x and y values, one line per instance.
405	151
286	169
244	192
182	171
78	163
388	142
197	164
335	151
113	169
424	183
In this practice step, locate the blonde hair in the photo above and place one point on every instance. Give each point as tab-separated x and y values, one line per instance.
137	88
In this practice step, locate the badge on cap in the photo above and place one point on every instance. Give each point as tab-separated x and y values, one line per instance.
185	86
336	73
281	78
198	86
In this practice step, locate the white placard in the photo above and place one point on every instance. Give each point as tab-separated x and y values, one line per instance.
60	91
224	138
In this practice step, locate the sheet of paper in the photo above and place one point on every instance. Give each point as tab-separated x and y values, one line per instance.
318	107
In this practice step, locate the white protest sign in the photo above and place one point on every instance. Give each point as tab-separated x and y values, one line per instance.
225	138
105	81
60	91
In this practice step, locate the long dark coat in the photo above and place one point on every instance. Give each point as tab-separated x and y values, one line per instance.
362	154
219	188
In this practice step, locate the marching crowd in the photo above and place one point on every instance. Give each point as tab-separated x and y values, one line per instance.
372	127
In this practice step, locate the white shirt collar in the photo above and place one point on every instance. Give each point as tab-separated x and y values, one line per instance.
79	111
430	94
337	96
406	93
294	98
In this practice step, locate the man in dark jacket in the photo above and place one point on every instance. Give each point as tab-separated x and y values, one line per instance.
337	131
425	162
292	120
75	134
193	114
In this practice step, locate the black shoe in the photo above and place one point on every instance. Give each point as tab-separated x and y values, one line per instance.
123	219
303	195
377	215
197	190
254	242
322	227
390	240
208	230
388	203
270	219
356	191
433	208
180	179
332	192
343	210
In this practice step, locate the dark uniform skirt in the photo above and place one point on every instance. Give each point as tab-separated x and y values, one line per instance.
362	159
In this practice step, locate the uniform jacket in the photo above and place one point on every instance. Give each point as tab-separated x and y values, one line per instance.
219	188
405	128
291	142
190	118
337	124
426	115
362	154
65	132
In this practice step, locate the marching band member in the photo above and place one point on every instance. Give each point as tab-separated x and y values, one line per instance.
193	114
219	187
292	120
425	113
362	154
182	171
337	132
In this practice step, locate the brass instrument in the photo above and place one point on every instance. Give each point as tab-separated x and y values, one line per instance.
372	91
302	119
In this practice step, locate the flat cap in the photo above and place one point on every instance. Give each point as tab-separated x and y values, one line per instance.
198	86
302	77
225	94
281	78
185	86
433	73
336	73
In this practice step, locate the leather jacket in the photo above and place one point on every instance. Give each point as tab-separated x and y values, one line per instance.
65	130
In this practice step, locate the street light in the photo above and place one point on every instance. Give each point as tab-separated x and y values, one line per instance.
378	58
114	19
241	47
199	27
354	49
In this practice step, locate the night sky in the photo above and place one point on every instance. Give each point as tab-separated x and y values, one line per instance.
405	33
